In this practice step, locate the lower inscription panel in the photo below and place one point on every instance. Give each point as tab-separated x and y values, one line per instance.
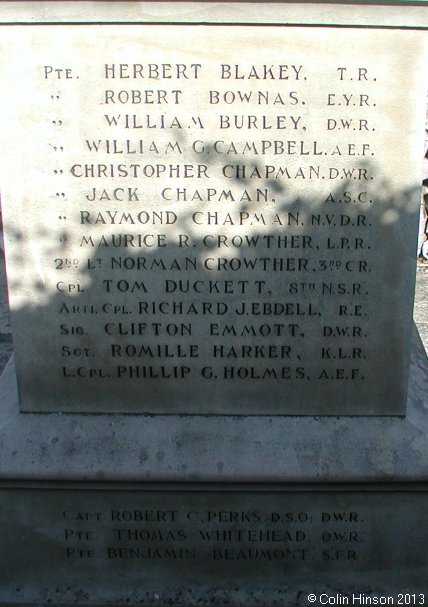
209	544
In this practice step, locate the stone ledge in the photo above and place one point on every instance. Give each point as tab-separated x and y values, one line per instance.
216	448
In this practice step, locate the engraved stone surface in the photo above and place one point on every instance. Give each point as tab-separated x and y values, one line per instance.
231	449
208	228
210	545
191	510
131	294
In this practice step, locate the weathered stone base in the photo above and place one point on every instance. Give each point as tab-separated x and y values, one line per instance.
181	510
92	543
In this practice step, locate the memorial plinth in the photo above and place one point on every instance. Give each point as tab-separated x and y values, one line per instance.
234	510
210	217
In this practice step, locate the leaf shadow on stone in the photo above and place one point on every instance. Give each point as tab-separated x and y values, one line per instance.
376	233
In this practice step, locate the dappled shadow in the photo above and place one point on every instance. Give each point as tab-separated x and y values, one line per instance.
239	298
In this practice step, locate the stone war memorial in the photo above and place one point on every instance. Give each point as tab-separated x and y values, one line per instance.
217	394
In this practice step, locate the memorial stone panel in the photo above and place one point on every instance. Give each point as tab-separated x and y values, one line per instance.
200	545
211	219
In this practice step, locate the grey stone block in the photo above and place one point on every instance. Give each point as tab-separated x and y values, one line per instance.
217	448
179	510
